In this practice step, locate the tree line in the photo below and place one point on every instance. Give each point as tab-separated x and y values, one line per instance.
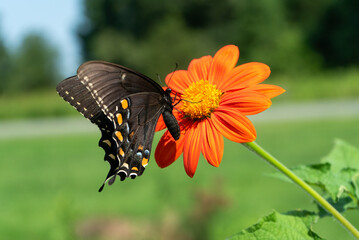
291	36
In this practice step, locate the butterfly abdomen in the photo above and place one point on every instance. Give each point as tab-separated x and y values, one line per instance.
172	124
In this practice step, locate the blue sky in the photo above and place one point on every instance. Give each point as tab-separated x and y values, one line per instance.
56	20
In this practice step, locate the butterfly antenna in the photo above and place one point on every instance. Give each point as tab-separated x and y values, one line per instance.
176	67
159	79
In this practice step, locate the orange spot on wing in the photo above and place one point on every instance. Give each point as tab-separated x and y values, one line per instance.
144	162
131	135
134	169
119	119
119	135
121	152
140	148
124	104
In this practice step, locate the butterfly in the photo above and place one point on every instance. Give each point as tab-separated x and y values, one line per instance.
126	106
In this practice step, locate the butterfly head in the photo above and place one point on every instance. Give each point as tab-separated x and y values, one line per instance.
168	90
168	99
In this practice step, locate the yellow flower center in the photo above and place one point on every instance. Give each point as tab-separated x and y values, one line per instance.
200	99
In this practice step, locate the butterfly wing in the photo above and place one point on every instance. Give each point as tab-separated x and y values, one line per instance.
109	83
134	126
125	105
74	92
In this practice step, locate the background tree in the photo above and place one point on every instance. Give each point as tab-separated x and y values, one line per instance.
152	36
34	65
336	35
4	66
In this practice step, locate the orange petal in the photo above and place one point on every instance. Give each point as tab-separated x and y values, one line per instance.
178	80
198	68
192	149
247	102
212	144
168	150
268	90
245	75
223	62
233	125
160	124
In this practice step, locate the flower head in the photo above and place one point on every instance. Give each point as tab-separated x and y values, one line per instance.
216	97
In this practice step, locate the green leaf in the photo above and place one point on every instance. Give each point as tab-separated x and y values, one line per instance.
337	175
343	156
342	204
309	218
293	225
356	185
333	183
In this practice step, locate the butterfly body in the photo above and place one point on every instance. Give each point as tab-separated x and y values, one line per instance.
125	105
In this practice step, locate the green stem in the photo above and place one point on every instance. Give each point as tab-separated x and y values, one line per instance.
278	165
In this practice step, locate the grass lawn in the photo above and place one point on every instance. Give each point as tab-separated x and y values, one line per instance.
49	188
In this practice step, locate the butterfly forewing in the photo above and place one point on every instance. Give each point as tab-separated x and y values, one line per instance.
74	92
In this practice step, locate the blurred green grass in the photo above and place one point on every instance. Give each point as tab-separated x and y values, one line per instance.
49	185
37	104
339	84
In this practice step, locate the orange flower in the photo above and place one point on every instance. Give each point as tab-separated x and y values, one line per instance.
216	97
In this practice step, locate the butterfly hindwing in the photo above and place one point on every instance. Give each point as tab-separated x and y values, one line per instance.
134	126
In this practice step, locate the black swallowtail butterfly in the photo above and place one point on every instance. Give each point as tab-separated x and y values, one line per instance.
125	105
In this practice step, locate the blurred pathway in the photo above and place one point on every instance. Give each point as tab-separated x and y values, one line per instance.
282	112
45	127
309	110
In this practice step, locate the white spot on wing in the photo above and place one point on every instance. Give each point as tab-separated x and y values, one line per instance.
123	172
127	128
